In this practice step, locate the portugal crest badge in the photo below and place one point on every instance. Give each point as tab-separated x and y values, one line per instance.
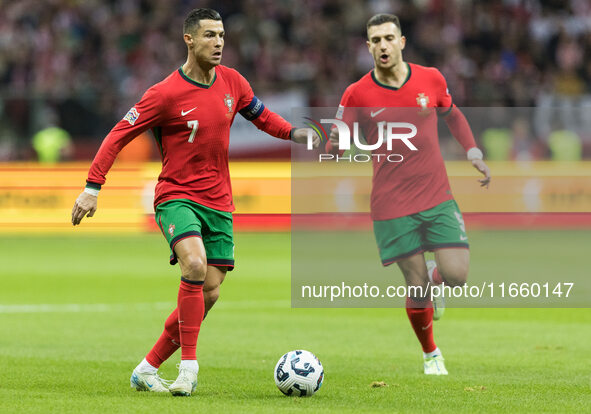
171	230
423	101
229	101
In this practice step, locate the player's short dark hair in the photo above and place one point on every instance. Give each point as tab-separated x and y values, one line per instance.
191	23
384	18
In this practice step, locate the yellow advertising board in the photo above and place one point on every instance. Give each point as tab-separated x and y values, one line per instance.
533	187
528	187
39	198
36	198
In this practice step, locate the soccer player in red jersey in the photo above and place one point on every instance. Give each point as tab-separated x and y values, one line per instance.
412	207
190	113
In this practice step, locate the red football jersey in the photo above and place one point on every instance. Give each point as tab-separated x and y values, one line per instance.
191	123
415	180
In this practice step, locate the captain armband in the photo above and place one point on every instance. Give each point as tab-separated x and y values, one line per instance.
253	109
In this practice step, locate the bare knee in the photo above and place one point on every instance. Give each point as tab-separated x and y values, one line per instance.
194	268
454	274
452	265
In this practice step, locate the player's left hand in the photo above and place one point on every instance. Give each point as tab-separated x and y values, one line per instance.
85	206
484	170
300	136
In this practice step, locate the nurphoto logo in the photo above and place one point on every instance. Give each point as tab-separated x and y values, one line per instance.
388	133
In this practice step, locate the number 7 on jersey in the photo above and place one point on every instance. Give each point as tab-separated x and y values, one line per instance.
193	125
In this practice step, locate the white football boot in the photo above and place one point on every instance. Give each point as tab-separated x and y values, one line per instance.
185	384
143	381
438	301
434	365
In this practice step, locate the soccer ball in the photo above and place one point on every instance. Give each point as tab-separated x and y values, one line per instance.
298	373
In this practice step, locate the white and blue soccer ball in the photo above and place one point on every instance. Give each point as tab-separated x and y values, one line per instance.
299	373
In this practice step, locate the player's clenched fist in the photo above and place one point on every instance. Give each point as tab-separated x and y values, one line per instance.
300	136
85	205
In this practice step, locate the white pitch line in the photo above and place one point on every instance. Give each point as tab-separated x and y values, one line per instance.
121	307
82	307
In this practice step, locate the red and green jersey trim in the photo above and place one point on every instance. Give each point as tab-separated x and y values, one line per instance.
383	85
94	186
194	82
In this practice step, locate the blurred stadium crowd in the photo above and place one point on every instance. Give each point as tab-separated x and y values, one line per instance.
80	64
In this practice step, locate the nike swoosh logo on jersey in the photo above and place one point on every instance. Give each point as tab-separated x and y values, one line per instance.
463	238
183	113
373	114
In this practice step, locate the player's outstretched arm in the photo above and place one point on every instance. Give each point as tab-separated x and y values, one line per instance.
460	129
85	205
143	116
273	124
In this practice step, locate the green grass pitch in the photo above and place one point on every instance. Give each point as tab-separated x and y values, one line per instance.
78	313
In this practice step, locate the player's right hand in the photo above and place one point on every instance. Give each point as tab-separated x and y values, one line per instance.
85	205
300	136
